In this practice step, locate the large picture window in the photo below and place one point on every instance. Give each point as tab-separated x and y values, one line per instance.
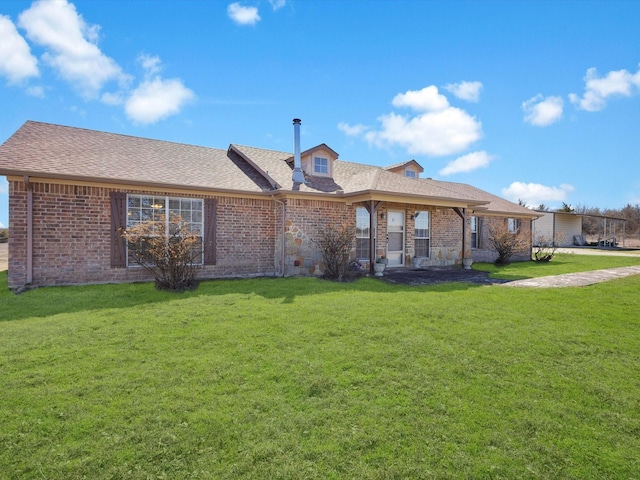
363	231
422	236
162	210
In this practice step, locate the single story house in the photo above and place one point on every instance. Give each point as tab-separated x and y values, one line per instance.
259	212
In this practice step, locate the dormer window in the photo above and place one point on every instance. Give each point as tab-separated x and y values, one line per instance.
320	165
410	169
317	161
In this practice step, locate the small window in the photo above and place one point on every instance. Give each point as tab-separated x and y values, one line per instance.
363	230
513	225
321	165
474	232
422	236
410	173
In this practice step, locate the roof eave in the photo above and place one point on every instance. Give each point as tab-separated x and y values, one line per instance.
504	213
364	195
41	176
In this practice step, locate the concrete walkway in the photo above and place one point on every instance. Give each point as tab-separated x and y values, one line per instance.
579	279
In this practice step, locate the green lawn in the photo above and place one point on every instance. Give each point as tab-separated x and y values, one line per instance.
306	379
561	263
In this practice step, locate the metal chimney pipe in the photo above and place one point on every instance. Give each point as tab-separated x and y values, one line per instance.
298	176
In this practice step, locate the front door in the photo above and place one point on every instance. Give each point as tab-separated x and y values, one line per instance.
395	238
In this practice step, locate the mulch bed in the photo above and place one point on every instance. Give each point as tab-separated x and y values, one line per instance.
433	275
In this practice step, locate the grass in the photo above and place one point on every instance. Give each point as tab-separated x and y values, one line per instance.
302	378
561	263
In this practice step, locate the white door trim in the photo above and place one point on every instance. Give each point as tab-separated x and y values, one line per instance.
396	237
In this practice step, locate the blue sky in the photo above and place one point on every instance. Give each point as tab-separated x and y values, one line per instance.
538	101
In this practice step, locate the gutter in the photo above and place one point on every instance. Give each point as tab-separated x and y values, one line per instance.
29	187
282	249
39	177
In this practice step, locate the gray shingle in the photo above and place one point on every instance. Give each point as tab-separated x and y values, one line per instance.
67	152
41	149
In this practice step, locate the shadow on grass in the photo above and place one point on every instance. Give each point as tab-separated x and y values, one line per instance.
49	301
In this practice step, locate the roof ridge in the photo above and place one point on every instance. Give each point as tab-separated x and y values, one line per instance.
260	148
125	135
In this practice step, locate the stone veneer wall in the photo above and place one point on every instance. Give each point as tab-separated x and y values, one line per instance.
304	224
71	236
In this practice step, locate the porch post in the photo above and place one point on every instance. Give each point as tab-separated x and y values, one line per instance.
372	208
463	215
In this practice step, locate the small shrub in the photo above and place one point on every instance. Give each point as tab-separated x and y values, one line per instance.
4	235
506	243
336	244
545	247
170	254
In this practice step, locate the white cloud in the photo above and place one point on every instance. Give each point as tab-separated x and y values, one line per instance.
427	99
434	133
469	91
277	4
4	186
71	45
157	99
151	64
16	62
541	112
2	225
438	129
352	130
243	15
467	163
535	193
599	89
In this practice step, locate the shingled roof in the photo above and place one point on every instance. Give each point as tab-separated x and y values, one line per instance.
494	204
55	151
348	178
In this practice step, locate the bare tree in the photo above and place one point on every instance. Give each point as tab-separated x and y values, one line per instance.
507	243
336	244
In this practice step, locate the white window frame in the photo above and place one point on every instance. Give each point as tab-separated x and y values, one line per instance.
157	205
474	231
363	232
512	225
321	166
411	174
422	233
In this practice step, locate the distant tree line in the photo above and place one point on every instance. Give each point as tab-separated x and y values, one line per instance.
631	213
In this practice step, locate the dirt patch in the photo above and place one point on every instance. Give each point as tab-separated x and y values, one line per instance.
4	256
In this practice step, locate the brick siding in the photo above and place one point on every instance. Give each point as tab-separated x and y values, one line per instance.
71	236
485	253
